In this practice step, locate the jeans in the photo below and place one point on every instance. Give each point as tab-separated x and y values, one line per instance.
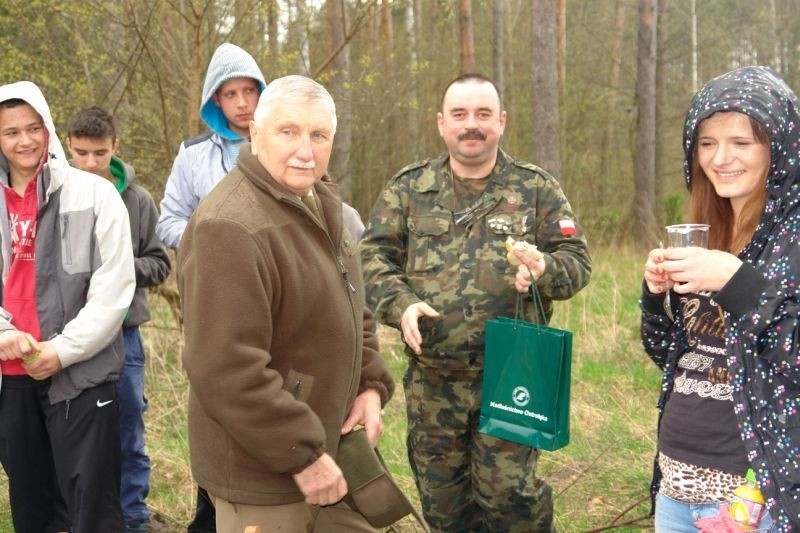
677	517
135	481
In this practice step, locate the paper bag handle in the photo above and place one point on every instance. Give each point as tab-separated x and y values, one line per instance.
538	307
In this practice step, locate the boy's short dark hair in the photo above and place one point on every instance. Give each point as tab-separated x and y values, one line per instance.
93	122
12	102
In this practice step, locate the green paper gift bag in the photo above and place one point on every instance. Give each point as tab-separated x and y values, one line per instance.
526	381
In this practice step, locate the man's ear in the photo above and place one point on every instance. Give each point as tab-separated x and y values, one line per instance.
215	99
253	132
115	146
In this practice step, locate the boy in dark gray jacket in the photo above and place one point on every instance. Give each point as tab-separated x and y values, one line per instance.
92	142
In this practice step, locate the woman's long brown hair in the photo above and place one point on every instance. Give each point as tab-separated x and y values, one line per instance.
706	207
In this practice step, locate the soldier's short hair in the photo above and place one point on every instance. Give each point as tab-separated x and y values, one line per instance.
471	77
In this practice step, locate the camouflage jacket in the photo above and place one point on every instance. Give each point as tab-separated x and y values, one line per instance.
420	246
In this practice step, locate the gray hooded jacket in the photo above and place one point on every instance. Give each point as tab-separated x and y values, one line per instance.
84	264
204	160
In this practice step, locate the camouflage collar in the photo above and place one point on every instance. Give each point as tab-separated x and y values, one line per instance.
438	176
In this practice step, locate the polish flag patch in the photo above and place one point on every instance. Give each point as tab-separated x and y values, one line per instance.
567	227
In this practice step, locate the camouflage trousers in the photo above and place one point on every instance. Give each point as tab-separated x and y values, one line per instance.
468	481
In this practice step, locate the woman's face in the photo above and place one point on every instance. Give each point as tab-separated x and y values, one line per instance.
732	158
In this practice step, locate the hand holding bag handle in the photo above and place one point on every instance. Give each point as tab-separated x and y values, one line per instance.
538	306
526	379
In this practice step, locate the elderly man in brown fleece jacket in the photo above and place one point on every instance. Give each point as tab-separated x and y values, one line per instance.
280	352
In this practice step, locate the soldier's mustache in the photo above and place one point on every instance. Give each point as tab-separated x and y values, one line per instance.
472	135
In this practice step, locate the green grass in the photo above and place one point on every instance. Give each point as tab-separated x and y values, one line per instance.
603	472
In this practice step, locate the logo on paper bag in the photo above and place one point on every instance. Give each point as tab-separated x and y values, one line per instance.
521	396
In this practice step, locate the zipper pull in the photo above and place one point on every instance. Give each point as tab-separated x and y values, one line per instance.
343	271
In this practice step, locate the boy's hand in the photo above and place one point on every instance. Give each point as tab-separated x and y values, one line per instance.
43	365
15	344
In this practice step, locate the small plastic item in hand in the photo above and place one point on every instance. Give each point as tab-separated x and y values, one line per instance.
31	358
34	356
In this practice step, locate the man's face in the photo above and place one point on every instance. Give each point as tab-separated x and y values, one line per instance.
293	143
93	154
22	139
238	98
471	123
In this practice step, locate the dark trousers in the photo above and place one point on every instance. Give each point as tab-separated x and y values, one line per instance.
62	460
205	516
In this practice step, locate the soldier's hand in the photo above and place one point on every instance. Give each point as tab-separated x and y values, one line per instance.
322	482
409	324
528	268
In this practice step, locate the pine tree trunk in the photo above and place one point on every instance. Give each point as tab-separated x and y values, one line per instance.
544	89
645	232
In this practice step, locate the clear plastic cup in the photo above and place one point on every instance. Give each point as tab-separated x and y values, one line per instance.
679	235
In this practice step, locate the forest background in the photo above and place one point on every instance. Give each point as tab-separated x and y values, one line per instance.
595	90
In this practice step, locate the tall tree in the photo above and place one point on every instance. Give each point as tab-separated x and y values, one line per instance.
338	81
297	36
247	23
693	15
465	25
273	14
609	154
662	31
416	36
776	42
644	228
544	88
498	16
561	31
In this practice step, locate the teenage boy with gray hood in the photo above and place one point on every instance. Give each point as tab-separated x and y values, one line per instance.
67	282
230	94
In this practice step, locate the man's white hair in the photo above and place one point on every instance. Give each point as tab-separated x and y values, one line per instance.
295	90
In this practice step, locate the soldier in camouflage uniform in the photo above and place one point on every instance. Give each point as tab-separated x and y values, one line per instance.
436	268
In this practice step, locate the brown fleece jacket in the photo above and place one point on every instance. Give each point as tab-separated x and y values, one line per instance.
278	339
